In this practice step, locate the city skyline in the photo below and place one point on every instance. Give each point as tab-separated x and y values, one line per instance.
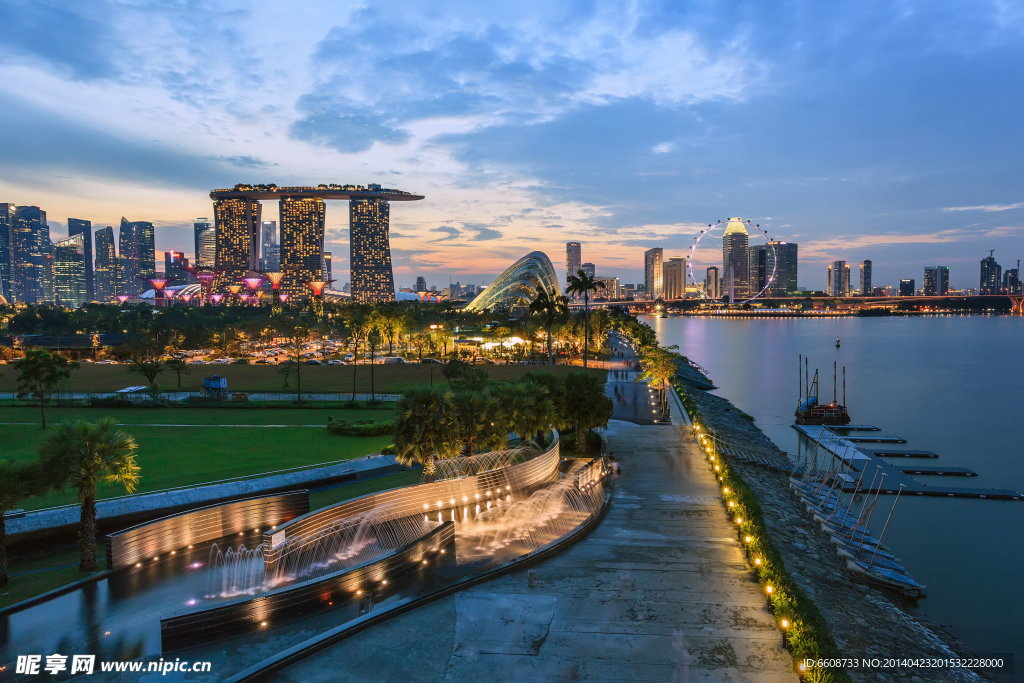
522	141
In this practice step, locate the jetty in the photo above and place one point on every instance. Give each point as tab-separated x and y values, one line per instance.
858	463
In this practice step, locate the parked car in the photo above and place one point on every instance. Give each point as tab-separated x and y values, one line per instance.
313	362
349	357
430	361
240	361
391	360
262	361
335	362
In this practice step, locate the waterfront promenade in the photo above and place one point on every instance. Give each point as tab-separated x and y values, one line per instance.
658	591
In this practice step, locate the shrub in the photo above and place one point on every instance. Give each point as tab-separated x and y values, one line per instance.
343	428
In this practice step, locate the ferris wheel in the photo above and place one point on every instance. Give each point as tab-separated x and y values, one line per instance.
713	228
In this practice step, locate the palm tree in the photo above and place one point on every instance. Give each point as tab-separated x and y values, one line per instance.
586	405
426	428
549	307
80	455
18	481
583	284
481	423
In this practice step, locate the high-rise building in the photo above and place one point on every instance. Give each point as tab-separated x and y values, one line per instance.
653	274
839	279
7	251
782	260
175	265
270	260
1011	281
758	271
421	283
713	283
128	248
328	268
237	223
77	226
573	259
108	279
991	276
302	242
370	250
33	256
907	287
611	287
146	236
865	278
69	271
674	278
627	292
936	281
206	243
589	269
735	242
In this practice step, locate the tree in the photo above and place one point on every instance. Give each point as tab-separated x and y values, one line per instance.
583	284
147	367
285	369
453	369
481	423
373	340
444	335
659	367
18	481
586	405
359	325
39	374
179	367
419	342
80	455
426	428
525	407
549	307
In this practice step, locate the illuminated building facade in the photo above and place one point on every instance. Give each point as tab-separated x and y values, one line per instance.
271	256
735	259
302	243
69	271
674	278
237	227
206	242
865	278
176	268
108	278
936	281
573	259
328	269
6	251
653	272
370	251
33	256
713	283
517	287
77	226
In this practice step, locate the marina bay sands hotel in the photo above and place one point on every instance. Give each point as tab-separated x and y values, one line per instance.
303	210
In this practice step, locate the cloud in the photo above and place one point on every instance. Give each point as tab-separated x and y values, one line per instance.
75	38
452	233
1004	231
484	234
663	148
244	161
987	208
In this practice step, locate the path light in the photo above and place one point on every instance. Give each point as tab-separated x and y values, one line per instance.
726	490
785	623
768	590
732	504
739	520
747	539
757	561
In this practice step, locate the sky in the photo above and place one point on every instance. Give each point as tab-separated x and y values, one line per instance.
888	131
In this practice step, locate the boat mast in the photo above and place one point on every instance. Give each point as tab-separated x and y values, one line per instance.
886	527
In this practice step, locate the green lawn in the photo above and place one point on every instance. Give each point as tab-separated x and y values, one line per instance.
198	416
349	491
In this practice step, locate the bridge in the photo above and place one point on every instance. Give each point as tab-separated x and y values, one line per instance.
1016	301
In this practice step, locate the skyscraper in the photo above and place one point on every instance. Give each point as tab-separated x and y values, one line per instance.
271	258
1011	281
653	274
421	283
108	280
839	279
237	222
783	262
328	268
674	278
7	251
865	278
146	236
588	268
69	271
936	281
129	260
758	270
370	250
77	226
991	275
33	256
734	256
713	283
206	242
907	287
573	259
175	263
302	241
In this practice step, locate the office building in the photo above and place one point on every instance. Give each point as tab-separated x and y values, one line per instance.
7	251
573	259
107	271
758	272
205	243
69	271
735	242
589	269
370	250
936	281
907	287
421	283
302	241
33	256
713	283
77	226
674	278
653	274
781	258
138	255
270	260
838	279
611	288
1011	281
627	292
237	225
175	268
328	268
991	276
865	278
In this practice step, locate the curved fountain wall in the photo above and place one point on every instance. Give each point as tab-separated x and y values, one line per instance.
434	498
141	542
248	614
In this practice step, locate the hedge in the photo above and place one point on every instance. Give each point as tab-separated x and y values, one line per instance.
343	428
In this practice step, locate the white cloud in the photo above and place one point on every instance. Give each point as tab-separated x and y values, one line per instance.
987	208
663	148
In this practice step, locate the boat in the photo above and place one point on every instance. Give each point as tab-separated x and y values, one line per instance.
837	342
887	578
811	412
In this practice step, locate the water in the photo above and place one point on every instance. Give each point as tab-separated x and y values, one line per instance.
948	384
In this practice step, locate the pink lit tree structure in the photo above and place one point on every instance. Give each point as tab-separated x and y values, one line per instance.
158	284
253	283
216	298
234	290
318	295
275	282
121	298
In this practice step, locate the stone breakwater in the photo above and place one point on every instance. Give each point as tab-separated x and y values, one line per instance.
865	622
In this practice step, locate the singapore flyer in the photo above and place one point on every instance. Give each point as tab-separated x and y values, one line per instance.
736	280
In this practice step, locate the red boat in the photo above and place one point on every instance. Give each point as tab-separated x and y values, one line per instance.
810	412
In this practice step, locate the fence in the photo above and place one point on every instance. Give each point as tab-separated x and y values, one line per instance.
233	399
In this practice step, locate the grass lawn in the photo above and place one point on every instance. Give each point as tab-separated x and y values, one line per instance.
349	491
183	456
199	416
315	378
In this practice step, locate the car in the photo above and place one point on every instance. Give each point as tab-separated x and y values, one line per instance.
262	361
240	361
335	362
349	356
313	361
391	360
431	361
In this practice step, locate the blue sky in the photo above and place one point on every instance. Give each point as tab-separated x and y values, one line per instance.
881	130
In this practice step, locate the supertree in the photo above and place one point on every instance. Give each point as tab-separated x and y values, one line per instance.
254	282
216	298
158	284
318	295
186	298
121	298
234	290
275	278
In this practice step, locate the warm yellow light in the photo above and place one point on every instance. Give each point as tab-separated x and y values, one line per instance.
768	589
716	468
739	520
757	561
748	539
785	624
726	490
732	504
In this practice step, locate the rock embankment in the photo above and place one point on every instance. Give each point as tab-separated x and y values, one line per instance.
865	622
692	376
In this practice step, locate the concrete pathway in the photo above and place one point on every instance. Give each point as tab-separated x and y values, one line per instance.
659	591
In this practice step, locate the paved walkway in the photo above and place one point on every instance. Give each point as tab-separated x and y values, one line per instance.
659	591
